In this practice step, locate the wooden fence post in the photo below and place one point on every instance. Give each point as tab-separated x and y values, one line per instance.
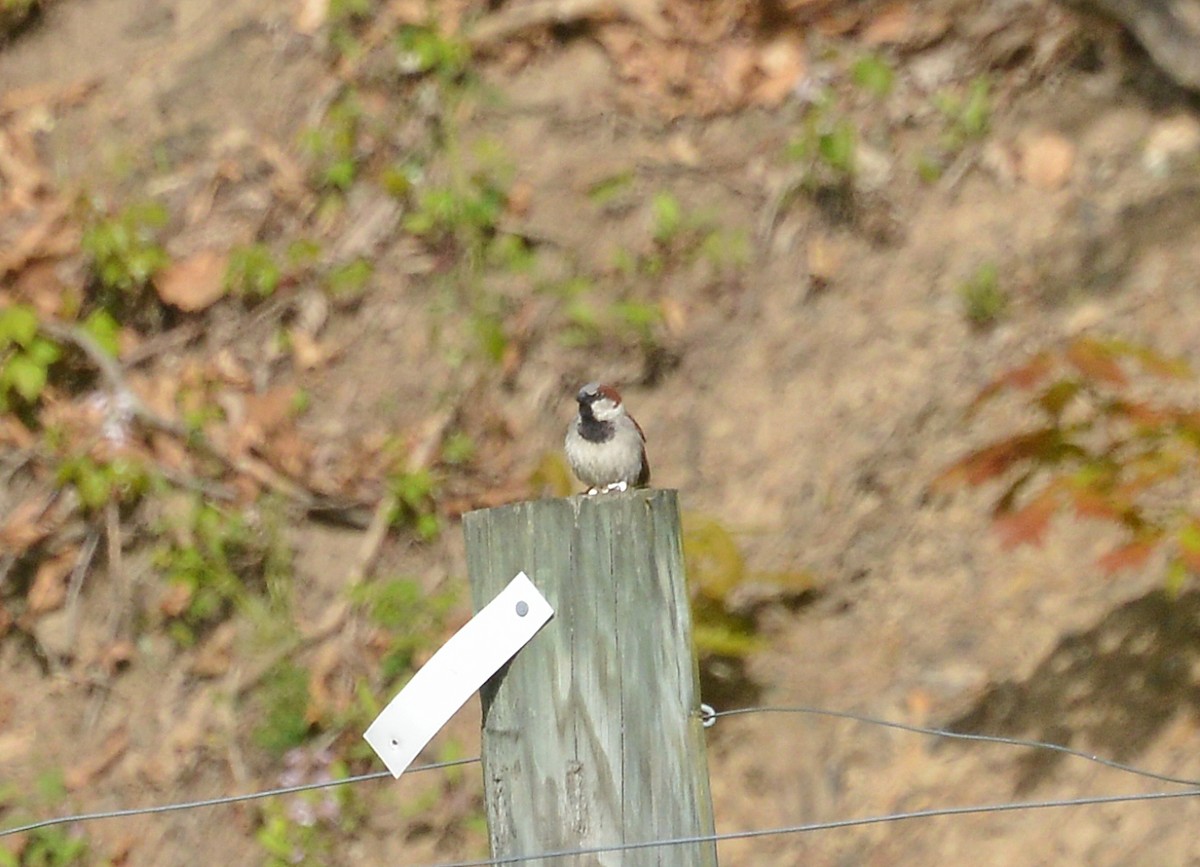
591	736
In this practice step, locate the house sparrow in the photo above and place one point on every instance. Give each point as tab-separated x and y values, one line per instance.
605	446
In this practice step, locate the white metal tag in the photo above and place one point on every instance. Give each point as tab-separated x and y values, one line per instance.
460	667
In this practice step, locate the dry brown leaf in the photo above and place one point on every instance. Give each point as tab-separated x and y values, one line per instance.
214	657
175	600
194	283
169	452
51	236
291	452
781	63
267	412
53	94
674	316
899	24
735	67
49	588
26	525
228	367
39	283
14	434
19	169
520	197
308	352
98	761
322	702
825	256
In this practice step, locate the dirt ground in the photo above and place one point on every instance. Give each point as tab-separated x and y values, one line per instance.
805	397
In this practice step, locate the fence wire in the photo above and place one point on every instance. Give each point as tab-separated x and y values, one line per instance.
827	826
1192	790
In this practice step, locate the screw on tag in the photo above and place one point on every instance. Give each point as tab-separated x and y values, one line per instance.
460	667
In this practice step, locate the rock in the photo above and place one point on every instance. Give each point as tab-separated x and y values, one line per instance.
1168	29
1045	160
1171	142
54	634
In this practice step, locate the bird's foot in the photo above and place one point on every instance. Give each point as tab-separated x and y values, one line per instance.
615	486
591	492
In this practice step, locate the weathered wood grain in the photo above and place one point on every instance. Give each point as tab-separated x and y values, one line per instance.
591	736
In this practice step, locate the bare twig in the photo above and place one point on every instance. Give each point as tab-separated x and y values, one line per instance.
116	570
169	340
75	586
111	371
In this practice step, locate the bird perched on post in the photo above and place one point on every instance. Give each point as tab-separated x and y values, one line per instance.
605	446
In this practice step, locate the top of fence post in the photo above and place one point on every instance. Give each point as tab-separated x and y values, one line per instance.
592	736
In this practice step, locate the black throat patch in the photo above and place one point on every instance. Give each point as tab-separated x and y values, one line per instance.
591	428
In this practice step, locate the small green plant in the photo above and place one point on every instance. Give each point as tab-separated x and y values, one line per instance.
716	569
1097	449
825	147
467	213
967	116
409	616
874	75
123	480
25	357
309	828
283	701
345	18
613	192
125	251
347	281
415	494
42	847
252	272
220	561
423	50
458	449
983	300
594	322
48	847
333	145
681	238
668	217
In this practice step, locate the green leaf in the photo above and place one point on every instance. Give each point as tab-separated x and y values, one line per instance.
18	324
873	75
1055	398
668	216
94	488
43	352
25	376
836	147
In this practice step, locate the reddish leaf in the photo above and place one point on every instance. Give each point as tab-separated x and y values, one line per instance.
1028	524
1090	503
994	460
1132	555
1096	361
1152	361
1023	377
1141	413
1055	398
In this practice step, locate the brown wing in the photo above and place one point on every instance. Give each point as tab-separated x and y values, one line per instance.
643	478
